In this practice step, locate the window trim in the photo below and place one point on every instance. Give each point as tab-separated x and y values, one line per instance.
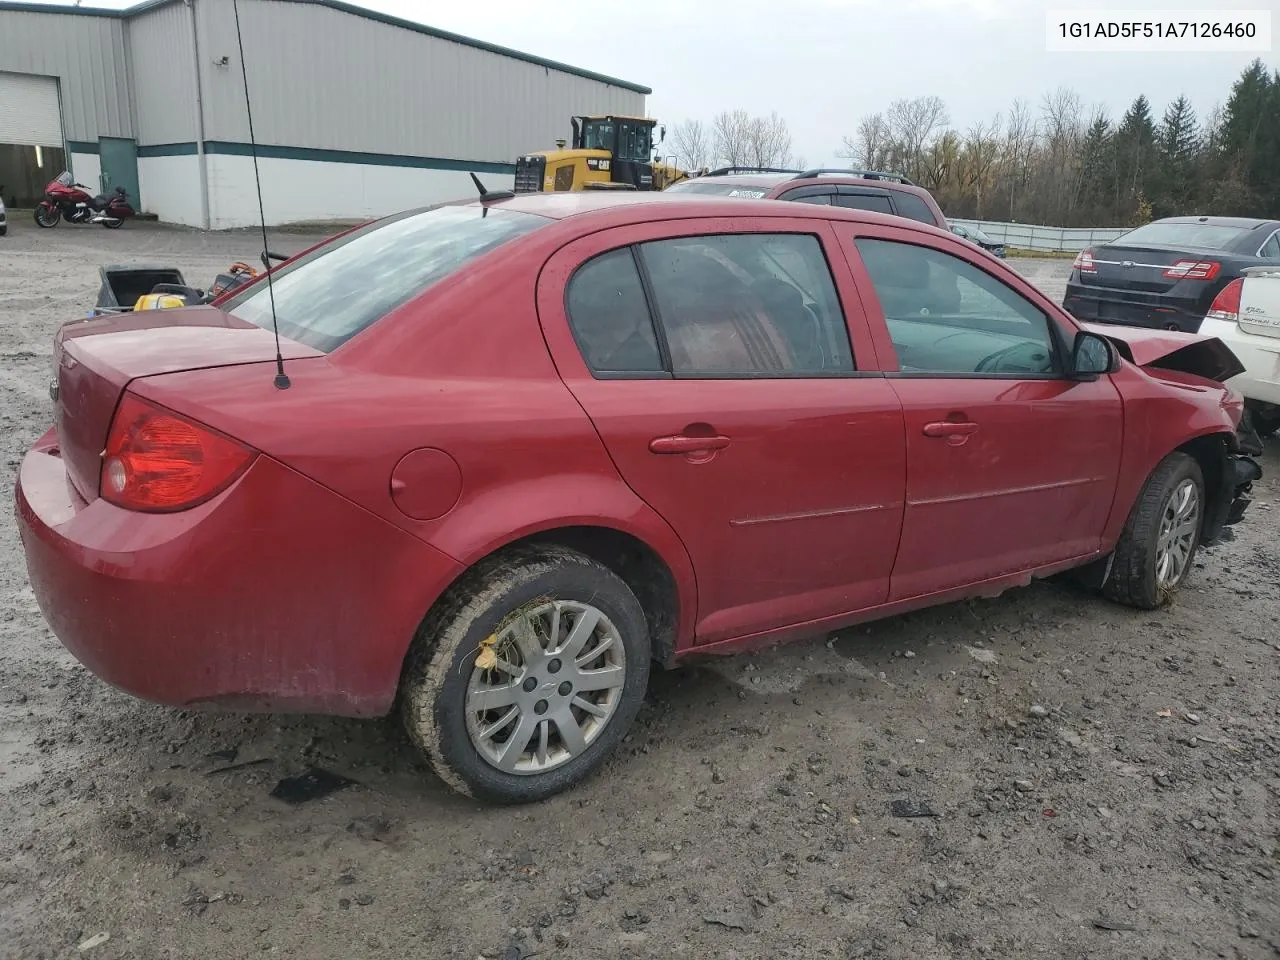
1059	349
1274	235
655	317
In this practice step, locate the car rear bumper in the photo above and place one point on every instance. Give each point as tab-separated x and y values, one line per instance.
1260	356
1103	305
276	595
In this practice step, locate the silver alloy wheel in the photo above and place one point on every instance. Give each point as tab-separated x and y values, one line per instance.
547	686
1178	525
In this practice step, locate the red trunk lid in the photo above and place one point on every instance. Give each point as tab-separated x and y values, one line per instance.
96	359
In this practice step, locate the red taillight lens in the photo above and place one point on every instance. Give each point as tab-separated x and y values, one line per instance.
158	461
1226	305
1193	270
1084	261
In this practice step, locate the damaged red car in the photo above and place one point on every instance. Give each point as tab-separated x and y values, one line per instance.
531	446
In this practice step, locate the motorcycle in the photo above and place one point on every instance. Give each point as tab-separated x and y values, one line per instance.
66	199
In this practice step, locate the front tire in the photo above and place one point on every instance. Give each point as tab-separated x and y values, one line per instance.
47	216
527	676
1158	546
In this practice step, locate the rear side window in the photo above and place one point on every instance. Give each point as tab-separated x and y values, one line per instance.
330	295
610	318
1271	249
726	306
1204	235
912	207
865	201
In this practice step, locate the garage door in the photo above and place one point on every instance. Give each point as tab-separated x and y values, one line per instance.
29	112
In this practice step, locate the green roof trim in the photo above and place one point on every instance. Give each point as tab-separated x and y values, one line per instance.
355	11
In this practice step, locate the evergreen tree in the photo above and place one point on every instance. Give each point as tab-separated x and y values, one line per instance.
1250	180
1098	171
1177	153
1135	144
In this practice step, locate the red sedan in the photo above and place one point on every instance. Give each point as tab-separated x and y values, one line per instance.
529	446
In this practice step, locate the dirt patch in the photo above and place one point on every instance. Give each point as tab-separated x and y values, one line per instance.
1008	778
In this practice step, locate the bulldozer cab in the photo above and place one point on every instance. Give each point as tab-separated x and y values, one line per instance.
606	153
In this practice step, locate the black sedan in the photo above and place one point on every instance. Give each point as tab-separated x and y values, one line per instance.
974	235
1167	272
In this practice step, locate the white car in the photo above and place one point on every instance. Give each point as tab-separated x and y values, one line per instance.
4	223
1246	317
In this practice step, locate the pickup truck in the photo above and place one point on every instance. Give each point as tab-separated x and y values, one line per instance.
1245	316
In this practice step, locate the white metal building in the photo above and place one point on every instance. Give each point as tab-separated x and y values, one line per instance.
355	113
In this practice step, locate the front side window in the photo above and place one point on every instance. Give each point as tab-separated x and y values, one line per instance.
945	316
634	142
339	289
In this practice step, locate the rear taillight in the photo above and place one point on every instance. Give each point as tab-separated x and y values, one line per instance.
158	461
1084	261
1226	305
1193	270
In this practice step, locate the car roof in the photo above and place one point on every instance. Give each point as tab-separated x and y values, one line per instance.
617	207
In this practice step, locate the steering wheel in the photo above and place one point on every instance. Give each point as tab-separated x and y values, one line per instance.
992	362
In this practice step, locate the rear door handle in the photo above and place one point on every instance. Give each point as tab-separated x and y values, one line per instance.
683	444
947	428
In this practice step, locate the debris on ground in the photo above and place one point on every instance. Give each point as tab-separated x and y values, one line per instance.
315	784
909	808
97	940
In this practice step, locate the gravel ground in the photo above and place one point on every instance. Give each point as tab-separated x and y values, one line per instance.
1105	783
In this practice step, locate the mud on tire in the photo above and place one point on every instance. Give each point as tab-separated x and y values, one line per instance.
1134	579
467	645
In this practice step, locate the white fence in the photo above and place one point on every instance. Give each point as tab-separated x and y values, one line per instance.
1029	236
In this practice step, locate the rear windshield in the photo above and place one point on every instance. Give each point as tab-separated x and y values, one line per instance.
719	189
334	292
1204	235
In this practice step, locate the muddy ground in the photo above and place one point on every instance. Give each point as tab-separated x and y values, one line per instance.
1106	783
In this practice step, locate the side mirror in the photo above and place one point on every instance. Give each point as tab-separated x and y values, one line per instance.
1092	355
662	134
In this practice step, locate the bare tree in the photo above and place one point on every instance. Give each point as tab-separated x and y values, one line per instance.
870	146
1062	116
1019	142
731	130
979	153
913	124
691	142
768	141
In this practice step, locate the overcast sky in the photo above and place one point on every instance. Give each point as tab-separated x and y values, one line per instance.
824	64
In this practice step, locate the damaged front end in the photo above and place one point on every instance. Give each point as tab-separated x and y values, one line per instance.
1239	471
1194	355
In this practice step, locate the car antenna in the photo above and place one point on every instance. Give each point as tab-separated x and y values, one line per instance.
488	196
282	379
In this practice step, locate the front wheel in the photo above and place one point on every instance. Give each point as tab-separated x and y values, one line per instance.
527	676
47	215
1160	538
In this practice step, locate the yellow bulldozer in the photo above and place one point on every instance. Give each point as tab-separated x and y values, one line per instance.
607	153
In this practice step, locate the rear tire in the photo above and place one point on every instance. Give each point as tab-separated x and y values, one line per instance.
113	224
488	710
1158	546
